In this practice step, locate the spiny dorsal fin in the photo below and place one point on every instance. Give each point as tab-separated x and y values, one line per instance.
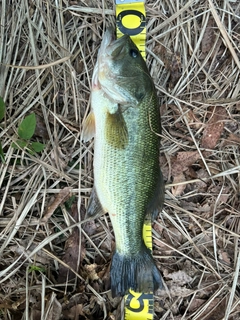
88	129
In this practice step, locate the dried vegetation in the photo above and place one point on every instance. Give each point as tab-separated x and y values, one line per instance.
55	267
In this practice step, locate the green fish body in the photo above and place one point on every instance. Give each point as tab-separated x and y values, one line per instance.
125	122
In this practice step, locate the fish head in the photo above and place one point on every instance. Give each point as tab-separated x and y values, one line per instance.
121	72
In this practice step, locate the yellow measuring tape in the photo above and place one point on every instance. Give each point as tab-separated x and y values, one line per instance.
131	20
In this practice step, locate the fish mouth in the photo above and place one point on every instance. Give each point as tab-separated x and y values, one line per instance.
111	49
108	38
110	46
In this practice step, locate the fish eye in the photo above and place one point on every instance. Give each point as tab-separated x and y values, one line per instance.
133	53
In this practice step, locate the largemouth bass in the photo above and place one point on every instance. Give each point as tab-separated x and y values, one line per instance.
125	122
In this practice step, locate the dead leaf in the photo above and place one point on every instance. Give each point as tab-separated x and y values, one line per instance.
232	139
178	189
179	277
72	251
41	130
223	255
39	258
63	196
179	165
172	62
175	69
214	127
214	311
172	236
188	157
208	37
177	291
211	135
192	119
178	134
195	304
35	314
174	291
53	308
183	160
75	312
91	271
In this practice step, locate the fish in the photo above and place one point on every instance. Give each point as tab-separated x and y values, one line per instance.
128	183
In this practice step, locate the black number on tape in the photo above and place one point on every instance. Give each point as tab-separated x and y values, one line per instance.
139	299
132	31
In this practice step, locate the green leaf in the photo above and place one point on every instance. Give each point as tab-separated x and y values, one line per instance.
36	268
19	144
2	109
37	146
1	154
27	127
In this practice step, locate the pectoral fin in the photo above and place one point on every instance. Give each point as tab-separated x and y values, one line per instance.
116	132
88	130
156	204
94	207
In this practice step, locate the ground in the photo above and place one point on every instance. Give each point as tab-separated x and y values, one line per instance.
52	265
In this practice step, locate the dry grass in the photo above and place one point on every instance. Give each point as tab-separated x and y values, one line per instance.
194	58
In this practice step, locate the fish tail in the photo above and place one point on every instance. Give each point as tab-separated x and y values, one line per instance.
137	272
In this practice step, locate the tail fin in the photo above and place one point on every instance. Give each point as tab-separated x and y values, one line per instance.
136	272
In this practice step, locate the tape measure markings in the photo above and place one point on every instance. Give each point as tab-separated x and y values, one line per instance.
131	20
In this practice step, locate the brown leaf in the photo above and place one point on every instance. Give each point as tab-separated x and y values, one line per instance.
183	160
179	165
223	255
211	135
193	120
208	37
214	127
165	54
53	308
178	189
214	311
172	236
75	312
179	277
172	62
40	258
195	304
63	196
174	291
41	130
178	134
72	252
175	68
232	139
